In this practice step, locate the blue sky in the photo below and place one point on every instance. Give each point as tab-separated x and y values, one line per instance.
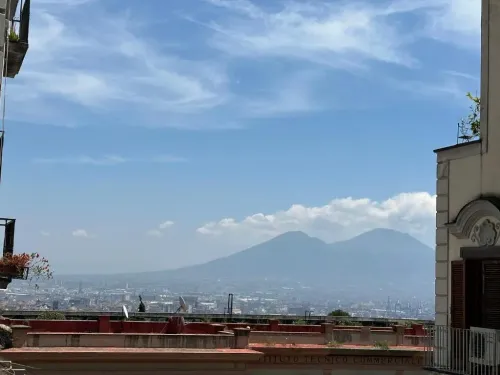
150	135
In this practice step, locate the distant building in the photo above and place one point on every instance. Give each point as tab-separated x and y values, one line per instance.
79	302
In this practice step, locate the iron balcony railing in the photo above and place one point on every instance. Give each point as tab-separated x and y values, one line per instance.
455	351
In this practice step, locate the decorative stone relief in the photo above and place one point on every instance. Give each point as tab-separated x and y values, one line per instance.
486	233
465	225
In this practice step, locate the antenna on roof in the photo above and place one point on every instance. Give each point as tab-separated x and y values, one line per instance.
125	311
182	305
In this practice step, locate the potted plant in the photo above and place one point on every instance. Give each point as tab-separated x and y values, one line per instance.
25	266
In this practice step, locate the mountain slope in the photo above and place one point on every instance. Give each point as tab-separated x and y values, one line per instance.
379	258
377	263
279	258
384	257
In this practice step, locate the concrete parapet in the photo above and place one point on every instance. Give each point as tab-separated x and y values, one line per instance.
20	335
241	338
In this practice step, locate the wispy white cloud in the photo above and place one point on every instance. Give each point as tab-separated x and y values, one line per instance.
155	233
88	58
292	95
455	21
447	84
44	233
80	233
343	34
160	230
442	88
109	160
166	224
340	35
454	73
86	62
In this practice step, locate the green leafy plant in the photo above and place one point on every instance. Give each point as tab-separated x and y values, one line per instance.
470	126
299	322
51	315
13	37
339	312
384	345
346	322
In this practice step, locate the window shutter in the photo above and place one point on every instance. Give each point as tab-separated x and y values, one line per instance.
458	294
491	294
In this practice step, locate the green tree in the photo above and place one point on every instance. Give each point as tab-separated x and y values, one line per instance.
51	315
470	126
339	312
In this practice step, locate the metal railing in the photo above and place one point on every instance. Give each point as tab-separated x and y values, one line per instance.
24	21
455	351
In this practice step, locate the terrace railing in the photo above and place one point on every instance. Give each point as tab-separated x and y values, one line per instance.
456	351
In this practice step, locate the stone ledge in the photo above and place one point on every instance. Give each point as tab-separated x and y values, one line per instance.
459	151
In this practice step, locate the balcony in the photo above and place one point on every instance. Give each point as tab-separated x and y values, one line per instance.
455	351
6	275
18	41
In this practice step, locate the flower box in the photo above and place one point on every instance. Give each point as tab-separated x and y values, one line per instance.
15	272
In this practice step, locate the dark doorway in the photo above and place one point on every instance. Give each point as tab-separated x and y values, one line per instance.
481	272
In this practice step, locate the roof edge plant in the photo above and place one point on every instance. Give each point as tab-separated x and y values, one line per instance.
13	36
469	128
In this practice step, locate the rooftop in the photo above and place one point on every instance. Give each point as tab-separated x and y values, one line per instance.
138	346
176	334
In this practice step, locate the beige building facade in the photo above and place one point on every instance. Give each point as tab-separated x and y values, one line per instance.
468	205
